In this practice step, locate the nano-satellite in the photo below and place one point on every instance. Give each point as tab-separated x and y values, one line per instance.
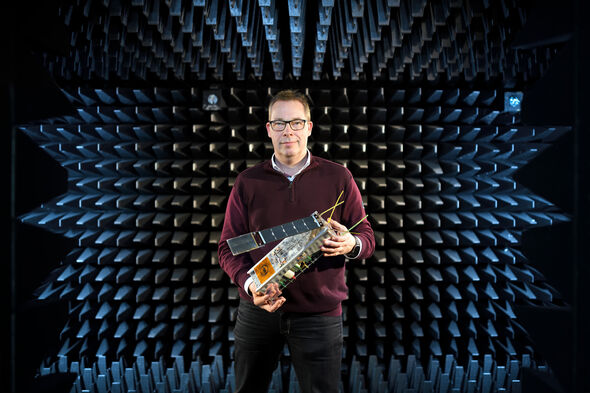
299	248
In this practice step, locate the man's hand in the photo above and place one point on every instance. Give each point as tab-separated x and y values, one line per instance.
340	244
270	301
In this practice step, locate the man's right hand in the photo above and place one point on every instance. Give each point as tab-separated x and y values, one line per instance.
270	301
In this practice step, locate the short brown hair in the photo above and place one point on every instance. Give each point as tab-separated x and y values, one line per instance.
291	95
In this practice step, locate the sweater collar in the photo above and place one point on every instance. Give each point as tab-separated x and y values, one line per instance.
274	165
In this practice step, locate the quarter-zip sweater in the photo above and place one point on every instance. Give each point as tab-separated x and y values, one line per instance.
262	198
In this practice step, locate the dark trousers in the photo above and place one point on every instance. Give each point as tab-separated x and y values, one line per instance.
315	346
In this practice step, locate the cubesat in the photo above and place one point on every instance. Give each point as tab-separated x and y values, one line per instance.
298	250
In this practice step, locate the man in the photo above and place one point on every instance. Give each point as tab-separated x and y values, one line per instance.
307	315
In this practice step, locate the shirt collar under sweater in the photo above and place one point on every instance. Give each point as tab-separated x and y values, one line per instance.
276	167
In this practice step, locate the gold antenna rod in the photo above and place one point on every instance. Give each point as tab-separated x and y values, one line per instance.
352	227
333	207
333	210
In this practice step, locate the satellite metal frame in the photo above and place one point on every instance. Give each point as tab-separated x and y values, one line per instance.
299	249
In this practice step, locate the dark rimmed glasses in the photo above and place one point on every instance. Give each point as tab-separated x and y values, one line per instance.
295	124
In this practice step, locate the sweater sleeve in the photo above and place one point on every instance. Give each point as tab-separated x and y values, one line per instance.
235	223
352	213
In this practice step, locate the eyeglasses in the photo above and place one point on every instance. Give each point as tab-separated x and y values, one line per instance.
295	124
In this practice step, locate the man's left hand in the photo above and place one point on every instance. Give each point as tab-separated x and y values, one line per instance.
341	244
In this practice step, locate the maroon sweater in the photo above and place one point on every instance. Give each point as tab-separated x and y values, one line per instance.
262	198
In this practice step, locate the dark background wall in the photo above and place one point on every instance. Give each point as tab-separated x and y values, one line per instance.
119	171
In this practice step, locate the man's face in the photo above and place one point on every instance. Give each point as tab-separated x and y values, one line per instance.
290	145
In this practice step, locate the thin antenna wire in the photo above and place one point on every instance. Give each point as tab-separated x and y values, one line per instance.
352	227
333	207
333	210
